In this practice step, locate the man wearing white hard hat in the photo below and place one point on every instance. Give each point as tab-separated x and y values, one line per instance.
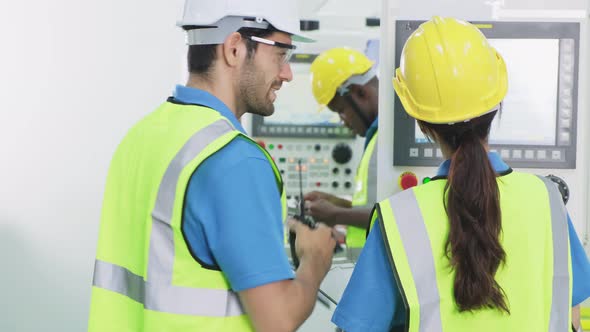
191	235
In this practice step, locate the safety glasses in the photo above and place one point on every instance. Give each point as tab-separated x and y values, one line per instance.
288	47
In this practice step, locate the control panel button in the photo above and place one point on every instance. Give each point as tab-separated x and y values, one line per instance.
564	138
565	123
347	184
342	153
317	147
261	143
517	154
347	171
336	170
335	184
414	152
407	180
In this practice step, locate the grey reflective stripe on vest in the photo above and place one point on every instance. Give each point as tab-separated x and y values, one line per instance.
561	280
372	178
158	293
166	298
416	243
161	257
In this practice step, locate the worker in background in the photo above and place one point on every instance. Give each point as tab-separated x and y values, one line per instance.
345	80
192	234
480	247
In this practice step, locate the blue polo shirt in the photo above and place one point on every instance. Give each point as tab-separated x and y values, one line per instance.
372	301
232	214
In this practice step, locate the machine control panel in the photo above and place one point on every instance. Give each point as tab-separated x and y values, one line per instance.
326	165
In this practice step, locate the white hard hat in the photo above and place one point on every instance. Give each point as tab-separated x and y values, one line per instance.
227	16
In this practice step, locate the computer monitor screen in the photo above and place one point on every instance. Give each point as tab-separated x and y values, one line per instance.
537	126
529	112
295	104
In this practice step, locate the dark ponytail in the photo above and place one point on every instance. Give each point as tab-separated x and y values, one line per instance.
473	206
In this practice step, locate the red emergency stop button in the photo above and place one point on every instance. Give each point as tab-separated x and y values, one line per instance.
407	180
262	144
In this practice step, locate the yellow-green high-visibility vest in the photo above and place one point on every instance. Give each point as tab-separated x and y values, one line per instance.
365	192
145	277
536	277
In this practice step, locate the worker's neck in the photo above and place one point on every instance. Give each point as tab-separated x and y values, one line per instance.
220	86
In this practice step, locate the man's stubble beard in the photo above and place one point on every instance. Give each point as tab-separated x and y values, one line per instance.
255	101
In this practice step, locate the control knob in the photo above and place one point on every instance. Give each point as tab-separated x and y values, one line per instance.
342	153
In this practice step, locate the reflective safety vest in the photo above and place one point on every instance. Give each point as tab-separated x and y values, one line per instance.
536	277
365	192
146	278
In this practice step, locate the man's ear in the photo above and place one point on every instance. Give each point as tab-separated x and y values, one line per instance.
359	93
232	49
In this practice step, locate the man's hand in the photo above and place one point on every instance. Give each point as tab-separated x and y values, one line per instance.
317	195
314	244
285	305
322	210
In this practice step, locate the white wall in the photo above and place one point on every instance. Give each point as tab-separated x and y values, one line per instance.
74	76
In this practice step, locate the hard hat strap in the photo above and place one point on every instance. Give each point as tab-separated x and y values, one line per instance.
493	109
357	79
356	108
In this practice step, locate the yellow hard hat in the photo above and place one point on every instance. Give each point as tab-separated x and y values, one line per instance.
449	73
334	70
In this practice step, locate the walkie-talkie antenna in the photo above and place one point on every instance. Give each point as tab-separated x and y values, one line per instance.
322	297
301	200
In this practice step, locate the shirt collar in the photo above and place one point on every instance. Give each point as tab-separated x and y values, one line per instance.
188	95
497	164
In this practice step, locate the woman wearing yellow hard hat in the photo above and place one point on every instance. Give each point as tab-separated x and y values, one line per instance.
481	247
